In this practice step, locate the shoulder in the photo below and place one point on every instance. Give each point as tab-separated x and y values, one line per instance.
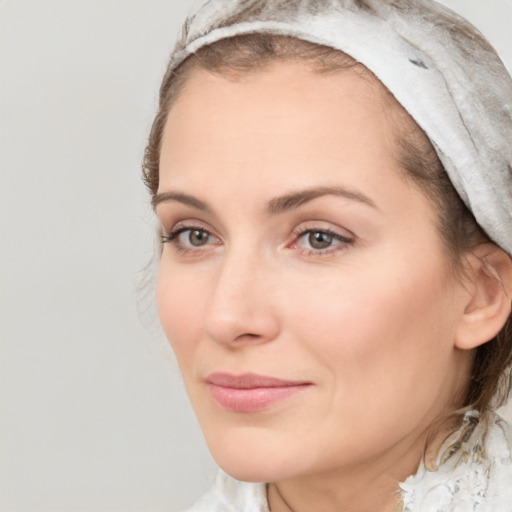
230	495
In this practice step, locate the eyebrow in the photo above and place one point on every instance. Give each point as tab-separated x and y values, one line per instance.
275	206
296	199
179	197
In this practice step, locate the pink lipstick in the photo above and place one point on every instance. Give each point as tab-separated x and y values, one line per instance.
250	392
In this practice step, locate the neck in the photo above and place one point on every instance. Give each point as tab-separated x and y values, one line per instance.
366	487
352	492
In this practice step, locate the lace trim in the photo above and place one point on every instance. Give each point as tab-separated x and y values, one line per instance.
474	472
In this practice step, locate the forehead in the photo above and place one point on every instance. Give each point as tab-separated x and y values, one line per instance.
284	107
286	76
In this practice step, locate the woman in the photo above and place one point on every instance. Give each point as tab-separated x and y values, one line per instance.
333	184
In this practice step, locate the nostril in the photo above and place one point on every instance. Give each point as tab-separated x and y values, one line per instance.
248	335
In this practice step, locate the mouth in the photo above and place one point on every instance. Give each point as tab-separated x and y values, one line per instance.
250	392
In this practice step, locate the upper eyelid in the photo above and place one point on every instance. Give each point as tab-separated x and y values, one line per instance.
335	235
186	224
320	225
170	213
190	227
176	231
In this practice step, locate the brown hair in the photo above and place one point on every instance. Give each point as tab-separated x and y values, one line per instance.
239	55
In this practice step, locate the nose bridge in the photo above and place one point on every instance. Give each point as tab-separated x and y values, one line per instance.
240	305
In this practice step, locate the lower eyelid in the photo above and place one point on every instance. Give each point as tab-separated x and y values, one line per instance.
329	251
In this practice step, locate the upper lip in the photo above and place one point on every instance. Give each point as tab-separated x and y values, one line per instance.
249	380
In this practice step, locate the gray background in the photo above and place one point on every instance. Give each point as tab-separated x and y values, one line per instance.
93	412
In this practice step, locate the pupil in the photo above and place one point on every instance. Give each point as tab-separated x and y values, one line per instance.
198	238
319	240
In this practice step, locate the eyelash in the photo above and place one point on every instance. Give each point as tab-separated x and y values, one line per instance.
172	237
345	241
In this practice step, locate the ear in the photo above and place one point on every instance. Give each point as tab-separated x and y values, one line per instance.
488	304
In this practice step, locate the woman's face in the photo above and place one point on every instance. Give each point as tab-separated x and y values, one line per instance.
302	284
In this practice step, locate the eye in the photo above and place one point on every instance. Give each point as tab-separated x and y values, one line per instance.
189	238
321	241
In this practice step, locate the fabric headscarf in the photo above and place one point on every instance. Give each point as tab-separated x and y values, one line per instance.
451	81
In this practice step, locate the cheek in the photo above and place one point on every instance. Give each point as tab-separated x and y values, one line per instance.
381	346
180	309
384	325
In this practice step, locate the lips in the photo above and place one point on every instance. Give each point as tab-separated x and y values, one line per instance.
250	392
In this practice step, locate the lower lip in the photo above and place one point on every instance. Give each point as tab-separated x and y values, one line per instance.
252	399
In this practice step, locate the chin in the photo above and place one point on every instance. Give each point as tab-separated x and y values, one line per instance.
247	470
253	461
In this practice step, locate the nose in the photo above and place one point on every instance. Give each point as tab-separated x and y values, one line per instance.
241	309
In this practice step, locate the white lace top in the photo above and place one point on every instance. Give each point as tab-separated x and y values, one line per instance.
474	475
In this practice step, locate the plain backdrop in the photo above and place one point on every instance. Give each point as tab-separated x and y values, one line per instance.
93	413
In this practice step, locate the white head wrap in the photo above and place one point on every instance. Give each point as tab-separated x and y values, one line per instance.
451	81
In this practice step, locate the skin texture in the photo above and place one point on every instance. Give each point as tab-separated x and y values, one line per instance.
371	322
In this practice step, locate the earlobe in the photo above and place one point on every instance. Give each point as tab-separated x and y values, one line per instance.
489	305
